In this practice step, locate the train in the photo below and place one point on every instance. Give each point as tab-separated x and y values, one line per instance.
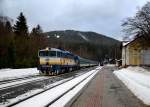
54	61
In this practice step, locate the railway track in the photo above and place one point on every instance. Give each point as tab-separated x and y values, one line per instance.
5	84
13	104
19	81
74	82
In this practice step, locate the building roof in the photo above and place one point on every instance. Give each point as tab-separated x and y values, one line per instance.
132	41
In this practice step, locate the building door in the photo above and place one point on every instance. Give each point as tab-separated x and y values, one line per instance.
146	57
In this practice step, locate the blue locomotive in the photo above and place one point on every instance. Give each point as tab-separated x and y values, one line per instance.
56	61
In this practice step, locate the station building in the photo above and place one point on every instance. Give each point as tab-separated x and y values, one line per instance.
136	52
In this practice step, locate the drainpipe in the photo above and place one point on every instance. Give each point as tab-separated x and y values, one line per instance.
125	56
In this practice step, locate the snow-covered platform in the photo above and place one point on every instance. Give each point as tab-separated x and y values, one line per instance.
137	79
106	90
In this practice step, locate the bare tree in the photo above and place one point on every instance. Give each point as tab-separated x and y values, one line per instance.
139	24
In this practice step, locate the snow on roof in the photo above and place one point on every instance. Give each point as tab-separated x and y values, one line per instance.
55	49
51	49
125	43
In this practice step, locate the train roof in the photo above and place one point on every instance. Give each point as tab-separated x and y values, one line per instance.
51	49
55	49
85	59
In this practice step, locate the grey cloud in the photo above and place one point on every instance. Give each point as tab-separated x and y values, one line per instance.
102	16
1	7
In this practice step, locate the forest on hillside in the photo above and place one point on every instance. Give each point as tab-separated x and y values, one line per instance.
18	47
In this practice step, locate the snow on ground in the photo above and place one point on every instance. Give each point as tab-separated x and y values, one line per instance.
137	80
7	69
13	84
31	92
15	73
110	65
18	98
52	94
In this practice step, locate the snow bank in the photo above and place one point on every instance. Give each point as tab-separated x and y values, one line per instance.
110	65
30	93
137	80
13	73
7	69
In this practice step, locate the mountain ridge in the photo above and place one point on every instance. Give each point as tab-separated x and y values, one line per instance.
86	44
67	32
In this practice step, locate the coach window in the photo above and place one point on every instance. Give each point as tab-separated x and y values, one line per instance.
62	55
59	54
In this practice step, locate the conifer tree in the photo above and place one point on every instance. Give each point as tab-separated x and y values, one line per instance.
8	27
21	28
37	31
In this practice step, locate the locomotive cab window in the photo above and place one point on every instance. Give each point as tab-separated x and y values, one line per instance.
52	53
47	53
43	53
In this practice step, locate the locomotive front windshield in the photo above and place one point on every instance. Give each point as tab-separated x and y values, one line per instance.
47	53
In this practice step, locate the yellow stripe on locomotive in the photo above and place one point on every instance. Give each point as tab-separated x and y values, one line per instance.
59	61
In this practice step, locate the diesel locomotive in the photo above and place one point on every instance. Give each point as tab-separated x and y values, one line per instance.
55	61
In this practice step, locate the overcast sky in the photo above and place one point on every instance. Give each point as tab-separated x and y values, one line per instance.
101	16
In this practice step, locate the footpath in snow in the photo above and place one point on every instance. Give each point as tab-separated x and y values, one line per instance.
137	79
15	73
